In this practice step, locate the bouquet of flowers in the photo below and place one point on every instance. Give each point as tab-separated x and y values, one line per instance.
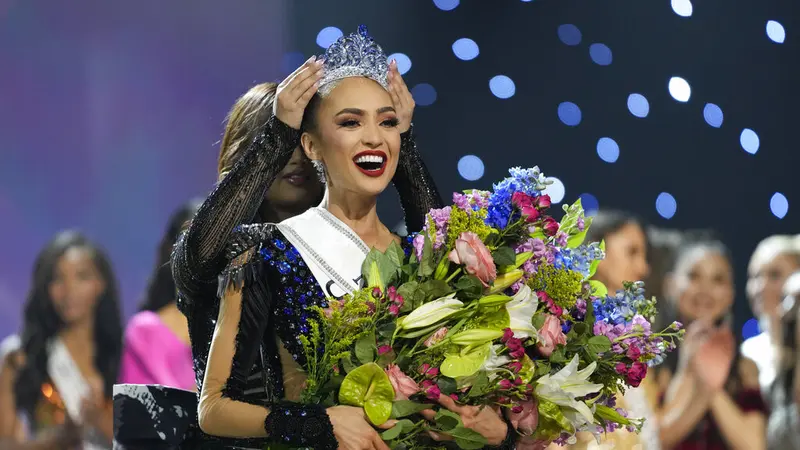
491	304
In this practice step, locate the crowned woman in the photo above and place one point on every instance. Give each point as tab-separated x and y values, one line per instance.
351	115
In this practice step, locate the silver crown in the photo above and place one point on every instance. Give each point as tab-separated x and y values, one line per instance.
354	55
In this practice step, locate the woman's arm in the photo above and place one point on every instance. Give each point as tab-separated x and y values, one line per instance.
742	430
685	405
414	184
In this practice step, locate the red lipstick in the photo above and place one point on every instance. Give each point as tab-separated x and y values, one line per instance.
371	162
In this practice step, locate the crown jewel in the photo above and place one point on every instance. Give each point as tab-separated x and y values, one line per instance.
354	55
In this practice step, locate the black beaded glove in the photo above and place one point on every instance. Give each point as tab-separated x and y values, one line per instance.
298	425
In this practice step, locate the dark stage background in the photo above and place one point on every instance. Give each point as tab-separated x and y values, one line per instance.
111	114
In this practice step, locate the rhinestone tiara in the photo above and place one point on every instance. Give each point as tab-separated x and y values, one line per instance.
354	55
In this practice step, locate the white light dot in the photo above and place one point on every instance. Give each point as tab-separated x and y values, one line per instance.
328	36
600	54
776	32
589	203
569	113
502	86
638	105
403	62
555	190
569	34
465	49
713	115
679	89
666	205
424	94
446	5
607	149
779	205
470	167
749	141
682	8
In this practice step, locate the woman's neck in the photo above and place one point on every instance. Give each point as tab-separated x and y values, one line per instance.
79	340
360	214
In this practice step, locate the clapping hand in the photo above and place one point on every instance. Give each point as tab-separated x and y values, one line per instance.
712	360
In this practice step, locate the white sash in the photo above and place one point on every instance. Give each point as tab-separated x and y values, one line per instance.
69	382
332	251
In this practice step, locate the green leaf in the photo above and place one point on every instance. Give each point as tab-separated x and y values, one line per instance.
347	364
399	427
386	329
369	387
476	336
577	239
580	328
404	408
426	265
558	355
542	368
467	438
528	369
610	414
442	269
599	289
378	269
434	289
598	344
504	256
447	385
589	316
411	294
366	349
479	385
495	320
456	365
551	421
447	420
470	287
538	321
395	254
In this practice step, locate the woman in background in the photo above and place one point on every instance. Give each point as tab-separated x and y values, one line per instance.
58	380
157	349
713	401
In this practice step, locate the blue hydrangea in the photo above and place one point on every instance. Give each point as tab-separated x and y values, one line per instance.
624	305
530	181
578	259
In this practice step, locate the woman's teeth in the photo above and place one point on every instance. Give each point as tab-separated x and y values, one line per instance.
369	159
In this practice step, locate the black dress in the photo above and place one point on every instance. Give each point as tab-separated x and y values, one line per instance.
278	287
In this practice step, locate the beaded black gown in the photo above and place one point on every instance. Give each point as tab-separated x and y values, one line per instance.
277	289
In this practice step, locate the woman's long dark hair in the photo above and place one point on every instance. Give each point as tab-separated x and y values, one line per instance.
609	221
161	287
41	322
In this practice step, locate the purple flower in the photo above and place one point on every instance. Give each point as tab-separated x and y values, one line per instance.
581	225
461	201
561	239
419	243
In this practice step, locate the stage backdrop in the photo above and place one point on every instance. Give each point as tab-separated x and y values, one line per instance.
110	114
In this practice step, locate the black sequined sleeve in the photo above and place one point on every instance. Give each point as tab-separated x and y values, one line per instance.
414	184
199	256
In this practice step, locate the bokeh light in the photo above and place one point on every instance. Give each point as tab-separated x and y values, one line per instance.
679	89
328	36
569	34
555	190
424	94
779	205
750	328
638	105
775	32
589	203
569	113
465	49
682	8
403	62
666	205
502	86
446	5
713	115
749	141
470	167
600	54
607	149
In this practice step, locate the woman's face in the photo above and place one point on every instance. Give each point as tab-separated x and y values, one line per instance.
626	257
76	286
297	187
765	284
356	137
704	285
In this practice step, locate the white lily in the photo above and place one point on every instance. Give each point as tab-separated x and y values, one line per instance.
520	309
431	312
565	386
494	362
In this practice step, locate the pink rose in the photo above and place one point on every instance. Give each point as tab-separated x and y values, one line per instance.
543	201
436	337
471	252
550	335
527	420
550	226
403	385
636	373
521	199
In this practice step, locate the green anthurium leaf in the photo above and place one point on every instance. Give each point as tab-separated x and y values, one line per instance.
368	386
435	289
456	365
598	288
378	269
468	438
395	254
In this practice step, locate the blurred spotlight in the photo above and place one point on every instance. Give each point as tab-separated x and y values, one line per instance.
291	61
607	149
424	94
403	62
749	141
666	205
776	32
470	167
502	86
328	36
679	89
682	8
779	205
600	54
555	190
446	5
465	49
713	115
750	329
638	105
569	113
569	34
590	203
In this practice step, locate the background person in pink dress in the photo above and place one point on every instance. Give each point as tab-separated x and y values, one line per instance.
157	347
